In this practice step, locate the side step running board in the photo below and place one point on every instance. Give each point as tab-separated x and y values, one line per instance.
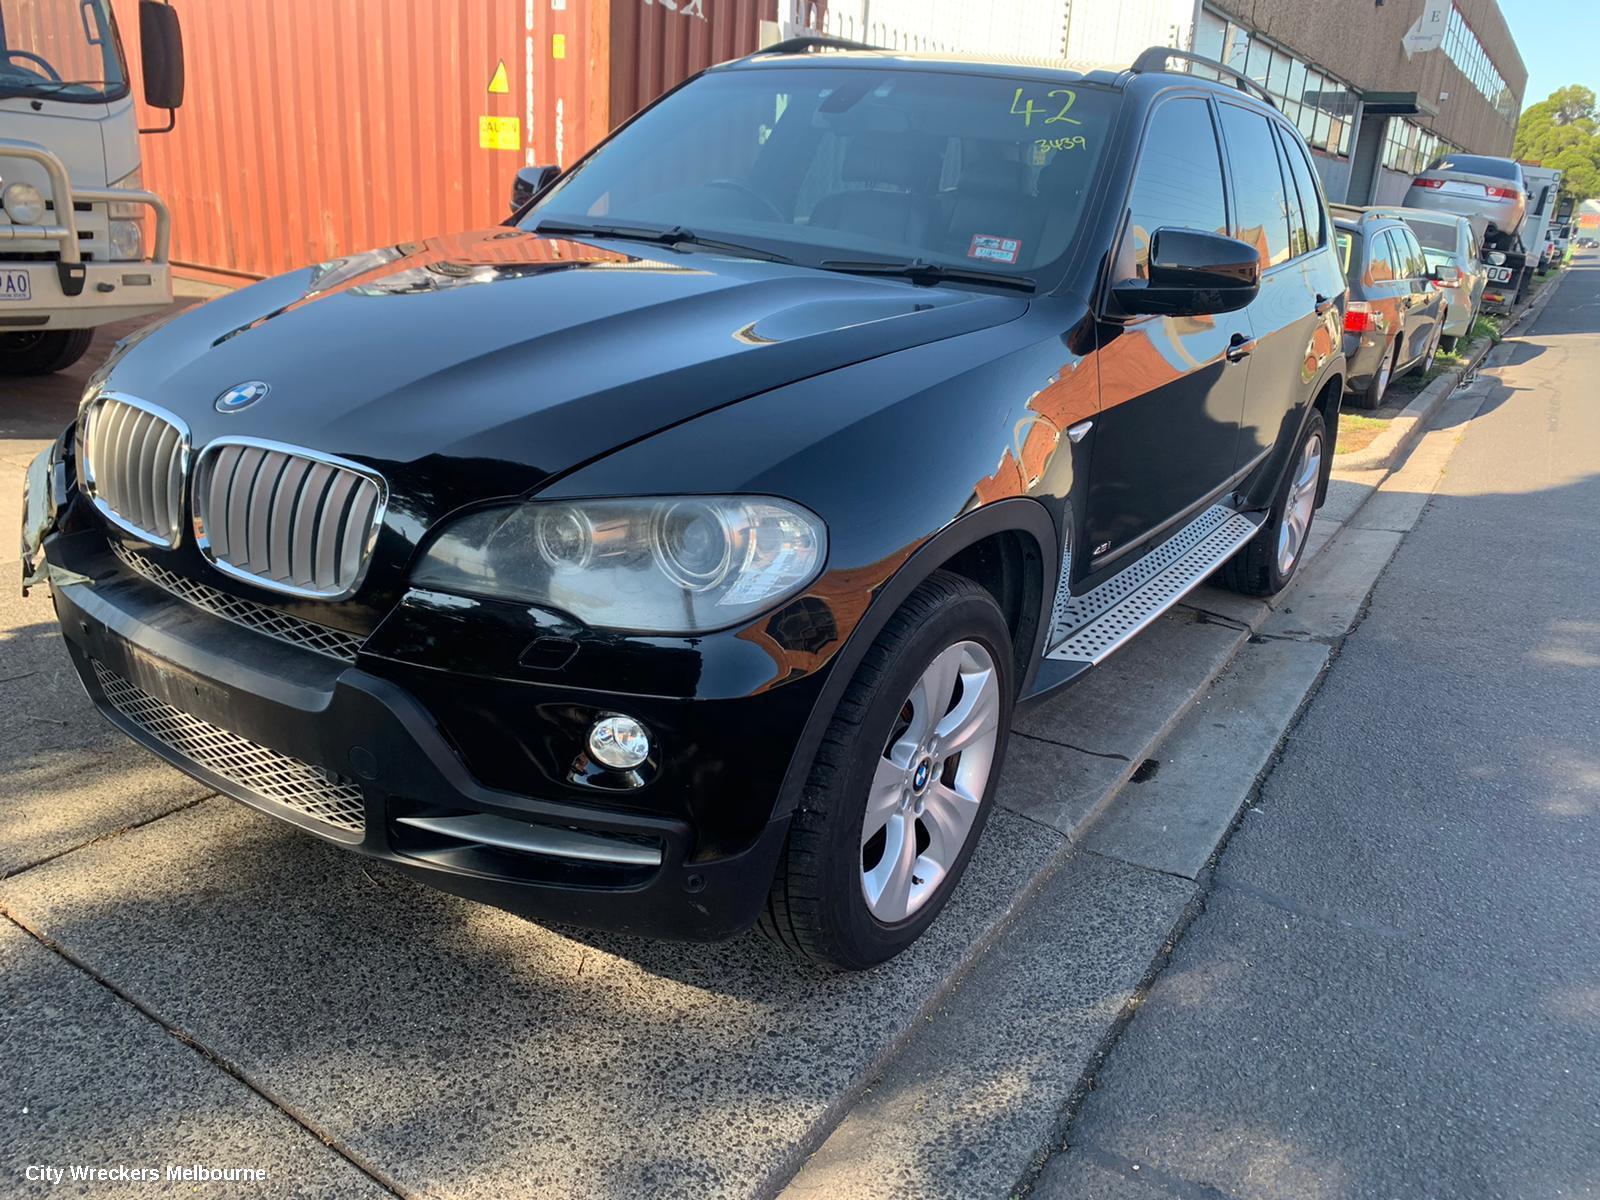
1102	620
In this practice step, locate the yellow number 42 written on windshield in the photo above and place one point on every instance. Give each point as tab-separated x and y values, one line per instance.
1028	109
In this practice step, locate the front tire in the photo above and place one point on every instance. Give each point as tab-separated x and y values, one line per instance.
1267	562
902	784
43	351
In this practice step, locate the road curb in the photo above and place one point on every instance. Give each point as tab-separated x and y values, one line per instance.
1393	443
939	1083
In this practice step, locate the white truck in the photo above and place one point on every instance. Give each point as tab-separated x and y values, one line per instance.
82	243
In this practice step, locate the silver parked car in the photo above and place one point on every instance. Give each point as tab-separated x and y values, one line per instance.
1489	192
1449	241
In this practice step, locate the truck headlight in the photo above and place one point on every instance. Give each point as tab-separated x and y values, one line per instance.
660	565
23	204
127	240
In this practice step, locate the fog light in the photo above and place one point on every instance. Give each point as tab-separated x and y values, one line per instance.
619	742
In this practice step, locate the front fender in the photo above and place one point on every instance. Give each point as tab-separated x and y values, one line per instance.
1019	515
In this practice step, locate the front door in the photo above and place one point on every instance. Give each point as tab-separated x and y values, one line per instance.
1171	395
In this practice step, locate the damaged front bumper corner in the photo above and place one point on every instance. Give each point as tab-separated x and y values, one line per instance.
44	493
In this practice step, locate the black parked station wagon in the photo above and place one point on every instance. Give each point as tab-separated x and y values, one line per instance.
675	556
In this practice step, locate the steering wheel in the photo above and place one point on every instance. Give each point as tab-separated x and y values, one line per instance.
744	189
50	72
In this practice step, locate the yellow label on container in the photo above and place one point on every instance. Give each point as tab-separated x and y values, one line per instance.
500	133
499	82
558	45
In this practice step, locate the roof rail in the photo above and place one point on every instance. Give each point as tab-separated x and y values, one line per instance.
1155	59
813	41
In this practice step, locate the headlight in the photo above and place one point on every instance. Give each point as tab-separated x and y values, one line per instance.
127	241
659	565
23	204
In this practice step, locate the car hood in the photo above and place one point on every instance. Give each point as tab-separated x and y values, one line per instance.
485	364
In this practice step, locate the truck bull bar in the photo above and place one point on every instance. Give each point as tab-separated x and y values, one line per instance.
65	230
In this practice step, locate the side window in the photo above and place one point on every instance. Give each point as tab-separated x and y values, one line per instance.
1296	215
1381	258
1179	180
1312	209
1399	256
1262	218
1417	261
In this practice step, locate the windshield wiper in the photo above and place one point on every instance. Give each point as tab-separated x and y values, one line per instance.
673	235
48	85
920	271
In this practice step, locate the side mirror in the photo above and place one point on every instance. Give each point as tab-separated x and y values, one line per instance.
1192	274
161	48
530	181
1446	274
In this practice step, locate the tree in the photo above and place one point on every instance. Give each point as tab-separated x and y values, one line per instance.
1563	131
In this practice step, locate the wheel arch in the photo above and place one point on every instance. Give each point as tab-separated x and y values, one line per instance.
1009	547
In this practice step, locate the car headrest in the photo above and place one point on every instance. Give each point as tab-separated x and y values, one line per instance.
992	177
886	158
1062	175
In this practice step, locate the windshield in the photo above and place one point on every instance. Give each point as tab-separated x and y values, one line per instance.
60	49
843	165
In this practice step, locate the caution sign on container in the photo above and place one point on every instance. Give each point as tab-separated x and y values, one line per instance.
500	133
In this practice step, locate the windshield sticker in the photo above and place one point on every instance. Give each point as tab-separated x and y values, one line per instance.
993	248
1045	145
1053	100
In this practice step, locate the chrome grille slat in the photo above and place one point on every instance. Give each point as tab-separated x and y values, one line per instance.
264	773
287	518
133	461
334	643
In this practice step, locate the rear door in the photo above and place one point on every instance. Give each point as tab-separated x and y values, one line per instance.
1283	317
1171	396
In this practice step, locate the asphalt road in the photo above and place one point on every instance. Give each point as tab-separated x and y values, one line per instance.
1394	988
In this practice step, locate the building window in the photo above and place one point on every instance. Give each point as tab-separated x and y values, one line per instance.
1464	49
1320	105
1408	148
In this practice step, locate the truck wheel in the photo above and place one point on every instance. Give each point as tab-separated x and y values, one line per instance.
42	352
902	784
1267	561
1371	396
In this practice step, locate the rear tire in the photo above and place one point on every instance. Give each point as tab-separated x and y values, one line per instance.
819	906
1371	396
1261	567
42	352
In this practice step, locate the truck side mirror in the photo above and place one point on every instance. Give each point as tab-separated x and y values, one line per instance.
530	181
161	45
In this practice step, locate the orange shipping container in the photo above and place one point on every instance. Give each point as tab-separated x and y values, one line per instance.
314	128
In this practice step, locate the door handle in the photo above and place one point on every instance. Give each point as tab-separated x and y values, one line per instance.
1323	305
1239	347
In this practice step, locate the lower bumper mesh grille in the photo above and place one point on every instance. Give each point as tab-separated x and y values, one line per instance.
335	643
280	778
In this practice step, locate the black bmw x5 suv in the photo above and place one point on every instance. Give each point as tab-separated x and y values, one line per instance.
674	556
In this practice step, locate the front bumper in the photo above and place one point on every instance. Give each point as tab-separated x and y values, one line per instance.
358	759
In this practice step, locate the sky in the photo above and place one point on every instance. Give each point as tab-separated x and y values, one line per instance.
1557	41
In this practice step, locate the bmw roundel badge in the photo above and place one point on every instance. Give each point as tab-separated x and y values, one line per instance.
241	396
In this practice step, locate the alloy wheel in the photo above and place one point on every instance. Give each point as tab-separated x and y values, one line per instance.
930	781
1385	371
1299	504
